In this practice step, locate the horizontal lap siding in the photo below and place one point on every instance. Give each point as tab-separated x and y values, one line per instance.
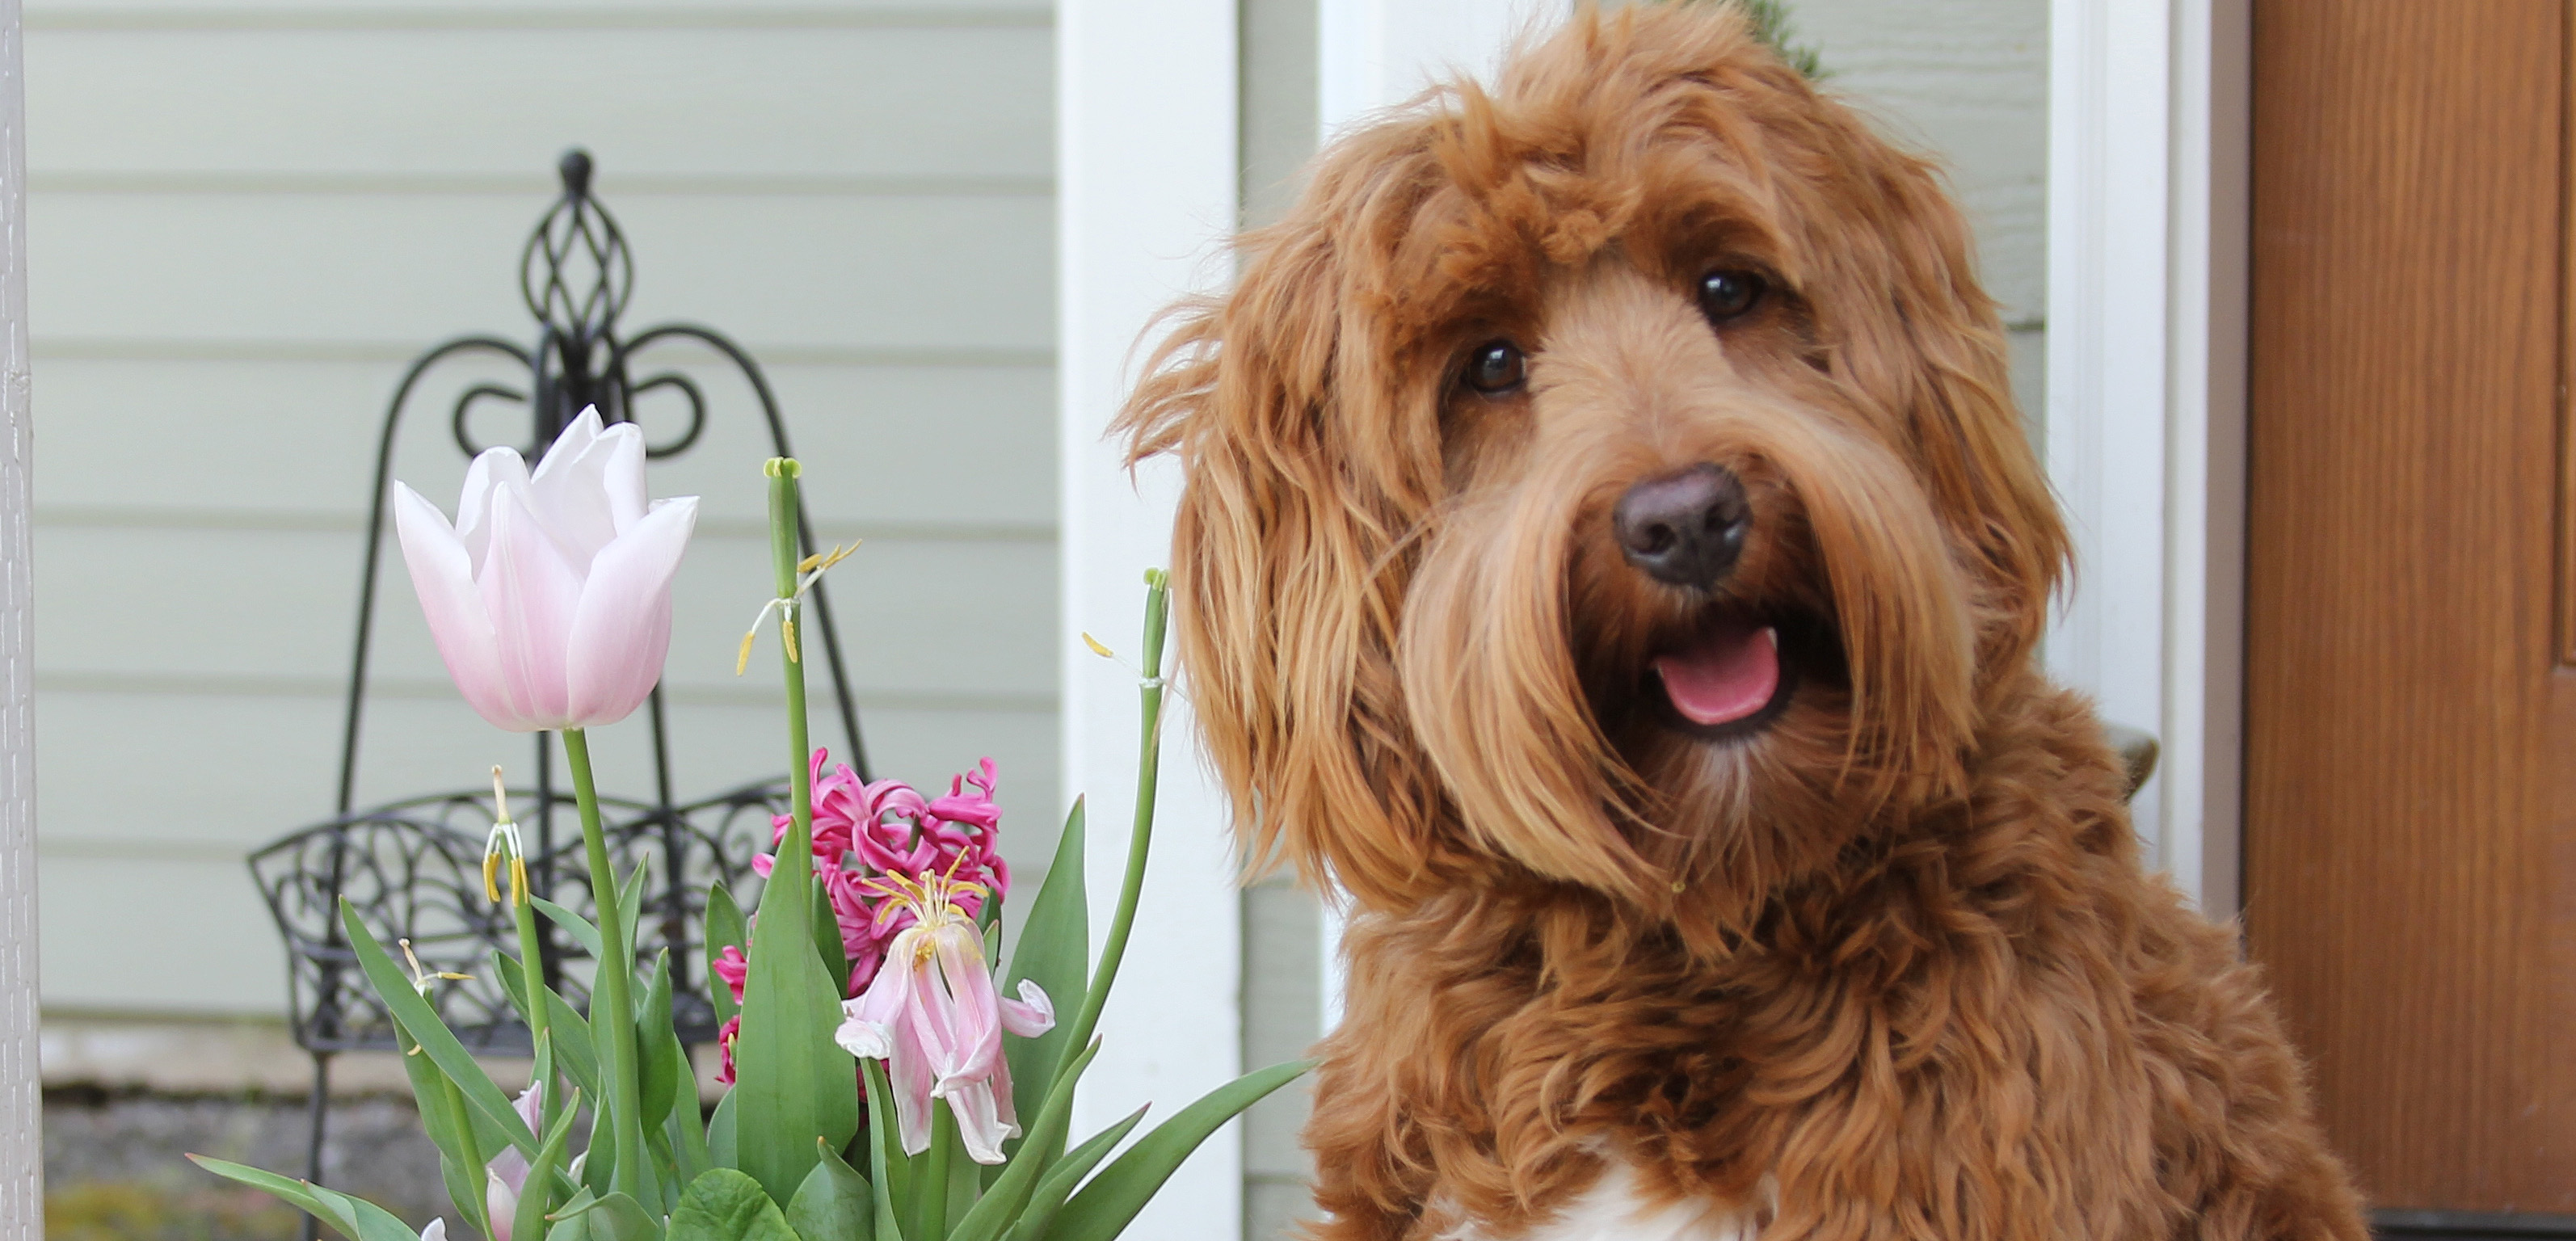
247	219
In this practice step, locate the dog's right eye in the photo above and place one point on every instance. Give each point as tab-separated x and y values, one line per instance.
1725	294
1496	367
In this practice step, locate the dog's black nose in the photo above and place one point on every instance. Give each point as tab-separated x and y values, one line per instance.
1687	528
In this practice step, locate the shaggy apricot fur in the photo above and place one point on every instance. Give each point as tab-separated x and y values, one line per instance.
1886	966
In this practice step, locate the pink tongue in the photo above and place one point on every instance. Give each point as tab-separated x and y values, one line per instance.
1729	675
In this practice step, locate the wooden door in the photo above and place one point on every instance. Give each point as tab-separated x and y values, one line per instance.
2411	705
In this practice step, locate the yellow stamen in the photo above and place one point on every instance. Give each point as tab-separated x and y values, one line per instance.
1097	648
820	561
421	978
932	900
504	844
810	570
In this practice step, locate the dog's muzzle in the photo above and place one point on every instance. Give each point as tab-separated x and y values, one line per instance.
1687	529
1684	529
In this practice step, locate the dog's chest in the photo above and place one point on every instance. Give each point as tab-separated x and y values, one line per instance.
1613	1210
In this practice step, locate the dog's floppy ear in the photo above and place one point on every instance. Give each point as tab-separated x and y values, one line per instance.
1304	477
1934	355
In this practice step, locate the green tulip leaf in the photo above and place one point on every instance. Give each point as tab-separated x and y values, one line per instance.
575	1052
1104	1207
666	1166
827	940
1054	952
573	1222
298	1194
720	1144
574	924
420	1021
599	1159
658	1044
888	1167
1066	1173
684	1131
460	1167
616	1217
725	929
1010	1192
726	1205
630	902
374	1223
792	1083
513	982
834	1204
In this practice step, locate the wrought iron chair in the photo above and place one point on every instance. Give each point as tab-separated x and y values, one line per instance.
413	868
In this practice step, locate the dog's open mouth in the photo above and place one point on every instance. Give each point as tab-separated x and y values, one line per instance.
1732	674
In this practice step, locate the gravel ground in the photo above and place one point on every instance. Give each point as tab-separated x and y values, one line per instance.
114	1166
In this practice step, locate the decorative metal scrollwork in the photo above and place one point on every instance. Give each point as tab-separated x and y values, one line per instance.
413	870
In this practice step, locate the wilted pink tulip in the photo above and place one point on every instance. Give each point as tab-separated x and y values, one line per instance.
550	598
932	1016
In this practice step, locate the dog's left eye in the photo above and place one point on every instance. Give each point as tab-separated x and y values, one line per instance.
1496	367
1725	295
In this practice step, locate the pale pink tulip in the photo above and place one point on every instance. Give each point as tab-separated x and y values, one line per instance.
931	1014
550	597
506	1177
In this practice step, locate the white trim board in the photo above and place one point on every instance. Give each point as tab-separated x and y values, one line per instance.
1146	186
22	1198
2145	409
1374	54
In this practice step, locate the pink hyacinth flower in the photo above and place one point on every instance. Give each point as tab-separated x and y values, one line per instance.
550	596
506	1177
863	829
733	969
932	1015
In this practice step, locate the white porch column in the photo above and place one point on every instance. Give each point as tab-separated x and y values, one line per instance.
1376	53
22	1198
2146	387
1146	183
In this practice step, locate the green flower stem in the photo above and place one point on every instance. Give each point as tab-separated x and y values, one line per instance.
930	1184
1140	837
532	982
612	1003
472	1150
792	1084
783	557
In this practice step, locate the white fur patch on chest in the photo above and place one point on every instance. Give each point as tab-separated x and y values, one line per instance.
1612	1210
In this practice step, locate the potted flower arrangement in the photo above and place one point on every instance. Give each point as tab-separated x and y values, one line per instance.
880	1056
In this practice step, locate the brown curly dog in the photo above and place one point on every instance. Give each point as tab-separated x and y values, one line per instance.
1611	554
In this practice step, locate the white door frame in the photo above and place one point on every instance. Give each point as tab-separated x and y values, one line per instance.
22	1198
2145	420
1145	185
